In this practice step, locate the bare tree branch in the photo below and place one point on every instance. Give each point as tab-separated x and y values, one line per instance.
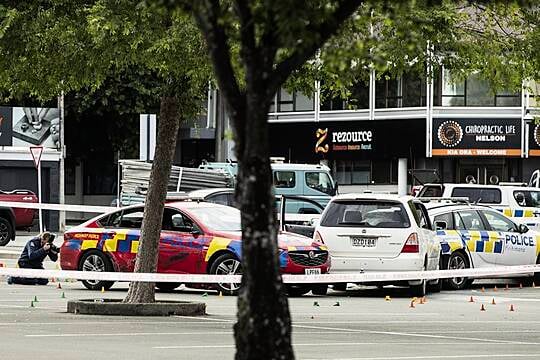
321	32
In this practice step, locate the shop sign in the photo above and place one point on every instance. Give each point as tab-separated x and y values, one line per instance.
30	126
476	137
534	140
331	140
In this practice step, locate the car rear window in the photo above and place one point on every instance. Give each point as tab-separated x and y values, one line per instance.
365	213
431	191
478	195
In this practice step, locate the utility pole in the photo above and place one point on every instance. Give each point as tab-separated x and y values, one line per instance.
61	188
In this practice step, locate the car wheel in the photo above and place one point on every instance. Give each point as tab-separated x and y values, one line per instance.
95	260
297	290
320	289
458	261
168	286
6	231
421	289
227	264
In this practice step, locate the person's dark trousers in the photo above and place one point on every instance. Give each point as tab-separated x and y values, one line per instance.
29	281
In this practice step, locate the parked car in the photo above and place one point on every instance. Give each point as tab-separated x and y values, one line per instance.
196	238
476	236
379	232
15	218
520	203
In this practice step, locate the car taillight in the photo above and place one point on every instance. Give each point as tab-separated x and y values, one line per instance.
318	238
411	245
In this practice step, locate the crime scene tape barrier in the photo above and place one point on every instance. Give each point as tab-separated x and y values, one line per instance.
287	278
59	207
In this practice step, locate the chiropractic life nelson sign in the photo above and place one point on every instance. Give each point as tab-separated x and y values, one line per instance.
476	137
330	140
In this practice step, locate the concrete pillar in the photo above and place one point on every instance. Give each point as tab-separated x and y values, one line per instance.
402	176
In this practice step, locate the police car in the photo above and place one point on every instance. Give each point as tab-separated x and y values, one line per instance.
516	201
380	232
476	236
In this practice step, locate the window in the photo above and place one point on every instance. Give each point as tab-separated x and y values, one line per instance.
320	181
473	91
223	199
527	198
218	218
295	101
358	213
447	219
129	219
409	90
174	220
498	222
353	172
431	191
478	195
284	179
469	220
420	216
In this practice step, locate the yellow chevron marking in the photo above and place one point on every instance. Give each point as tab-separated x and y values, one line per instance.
89	244
507	212
135	246
217	243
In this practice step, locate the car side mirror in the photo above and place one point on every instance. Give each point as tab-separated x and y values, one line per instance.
522	228
440	225
195	231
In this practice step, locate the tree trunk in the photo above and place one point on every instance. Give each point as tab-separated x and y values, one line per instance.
147	256
263	329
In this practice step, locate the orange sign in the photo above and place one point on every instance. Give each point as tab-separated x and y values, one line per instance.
476	152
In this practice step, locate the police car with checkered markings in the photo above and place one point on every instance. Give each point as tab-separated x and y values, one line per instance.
477	236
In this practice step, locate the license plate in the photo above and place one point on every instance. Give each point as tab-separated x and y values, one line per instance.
313	271
363	242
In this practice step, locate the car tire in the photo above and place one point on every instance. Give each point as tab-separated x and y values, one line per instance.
6	231
227	264
95	260
319	289
421	289
340	287
457	260
167	286
297	290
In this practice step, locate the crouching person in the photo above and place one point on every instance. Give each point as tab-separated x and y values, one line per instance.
35	251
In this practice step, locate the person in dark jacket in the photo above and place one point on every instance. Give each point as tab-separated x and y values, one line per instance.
35	251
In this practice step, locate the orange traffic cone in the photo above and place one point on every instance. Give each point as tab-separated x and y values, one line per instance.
412	304
506	288
482	308
424	300
59	286
483	289
520	285
512	307
495	288
493	301
471	299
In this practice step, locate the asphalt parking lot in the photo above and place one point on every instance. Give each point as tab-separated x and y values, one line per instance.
363	326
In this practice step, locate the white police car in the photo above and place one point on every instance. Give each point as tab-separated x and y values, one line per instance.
380	232
476	236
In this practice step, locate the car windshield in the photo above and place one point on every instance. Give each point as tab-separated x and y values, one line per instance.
320	181
527	198
365	213
219	218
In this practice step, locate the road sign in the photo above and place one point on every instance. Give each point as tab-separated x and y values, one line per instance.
36	152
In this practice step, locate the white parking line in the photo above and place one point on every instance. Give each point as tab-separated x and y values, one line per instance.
416	335
438	356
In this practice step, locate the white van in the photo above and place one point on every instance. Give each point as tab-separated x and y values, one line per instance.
520	203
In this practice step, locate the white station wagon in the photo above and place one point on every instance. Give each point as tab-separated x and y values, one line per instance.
380	232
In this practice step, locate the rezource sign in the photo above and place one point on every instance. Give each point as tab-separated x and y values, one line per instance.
331	139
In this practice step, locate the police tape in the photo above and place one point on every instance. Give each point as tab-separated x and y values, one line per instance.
58	207
287	278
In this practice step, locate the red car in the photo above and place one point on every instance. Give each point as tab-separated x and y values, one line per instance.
196	238
15	218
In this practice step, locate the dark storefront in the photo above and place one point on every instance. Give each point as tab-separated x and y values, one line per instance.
359	152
